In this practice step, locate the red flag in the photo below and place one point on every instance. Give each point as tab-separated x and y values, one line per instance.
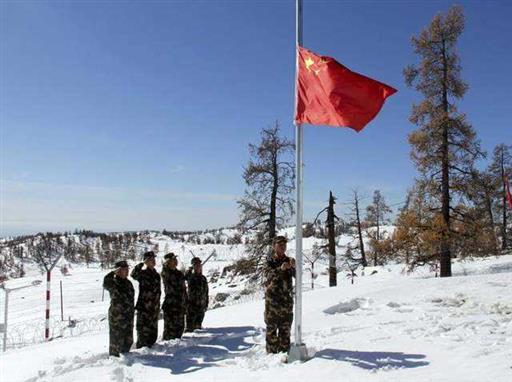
330	94
507	188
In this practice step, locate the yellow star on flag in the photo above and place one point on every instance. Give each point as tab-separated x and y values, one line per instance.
308	61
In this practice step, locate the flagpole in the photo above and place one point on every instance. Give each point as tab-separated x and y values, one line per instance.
298	351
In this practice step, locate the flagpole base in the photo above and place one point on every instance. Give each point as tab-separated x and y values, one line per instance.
298	353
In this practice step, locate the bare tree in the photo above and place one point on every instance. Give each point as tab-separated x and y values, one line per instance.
350	265
501	167
376	216
47	251
311	257
267	202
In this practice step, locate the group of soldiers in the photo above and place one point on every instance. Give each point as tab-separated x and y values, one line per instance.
184	306
191	302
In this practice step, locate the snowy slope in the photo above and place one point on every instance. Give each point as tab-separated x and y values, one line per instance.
386	327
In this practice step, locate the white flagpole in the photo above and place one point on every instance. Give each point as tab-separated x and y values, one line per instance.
298	351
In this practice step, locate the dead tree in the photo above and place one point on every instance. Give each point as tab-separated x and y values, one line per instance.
357	218
331	238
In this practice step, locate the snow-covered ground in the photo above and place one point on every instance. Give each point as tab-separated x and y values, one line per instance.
386	327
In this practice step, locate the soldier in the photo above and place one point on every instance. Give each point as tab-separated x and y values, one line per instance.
120	313
197	295
148	302
175	302
279	271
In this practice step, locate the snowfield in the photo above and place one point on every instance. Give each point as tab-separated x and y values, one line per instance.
386	327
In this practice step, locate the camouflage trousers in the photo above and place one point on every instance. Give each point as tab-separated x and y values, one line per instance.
147	328
120	333
174	324
279	323
195	319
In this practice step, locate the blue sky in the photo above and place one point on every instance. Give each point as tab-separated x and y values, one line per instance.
124	115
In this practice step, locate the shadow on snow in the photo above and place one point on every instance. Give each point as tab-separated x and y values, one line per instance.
374	360
196	353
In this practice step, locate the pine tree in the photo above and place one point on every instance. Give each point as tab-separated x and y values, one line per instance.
444	147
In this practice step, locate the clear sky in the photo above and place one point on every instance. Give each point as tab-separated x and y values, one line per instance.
125	115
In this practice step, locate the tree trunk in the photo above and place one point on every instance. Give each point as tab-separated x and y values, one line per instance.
445	260
273	202
504	204
375	253
332	241
488	207
364	263
312	275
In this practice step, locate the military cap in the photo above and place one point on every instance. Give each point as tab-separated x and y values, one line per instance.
279	239
170	256
195	260
149	255
121	264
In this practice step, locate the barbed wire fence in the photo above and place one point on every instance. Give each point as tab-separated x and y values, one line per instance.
80	307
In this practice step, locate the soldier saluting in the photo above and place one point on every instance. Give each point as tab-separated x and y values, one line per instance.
120	313
197	295
175	302
148	302
279	271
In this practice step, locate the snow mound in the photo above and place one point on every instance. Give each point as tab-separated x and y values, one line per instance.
348	306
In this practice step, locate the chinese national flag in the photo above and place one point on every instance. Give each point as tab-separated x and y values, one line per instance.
330	94
509	195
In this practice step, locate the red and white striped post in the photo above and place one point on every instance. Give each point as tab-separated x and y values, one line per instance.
47	324
48	283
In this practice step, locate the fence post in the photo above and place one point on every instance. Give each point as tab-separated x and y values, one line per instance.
6	307
61	303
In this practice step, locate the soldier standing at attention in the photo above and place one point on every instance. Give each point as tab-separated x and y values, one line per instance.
279	271
120	313
175	302
148	302
197	295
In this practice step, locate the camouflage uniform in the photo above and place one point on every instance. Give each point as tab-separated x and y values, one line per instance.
148	305
175	303
120	313
197	300
278	304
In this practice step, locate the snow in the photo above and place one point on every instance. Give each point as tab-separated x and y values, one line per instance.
390	326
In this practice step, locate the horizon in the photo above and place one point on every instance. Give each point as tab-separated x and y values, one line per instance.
137	116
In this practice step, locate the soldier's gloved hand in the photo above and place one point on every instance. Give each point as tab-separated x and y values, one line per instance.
285	266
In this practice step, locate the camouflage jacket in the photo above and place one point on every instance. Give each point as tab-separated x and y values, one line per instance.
149	288
175	290
121	294
197	291
278	283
